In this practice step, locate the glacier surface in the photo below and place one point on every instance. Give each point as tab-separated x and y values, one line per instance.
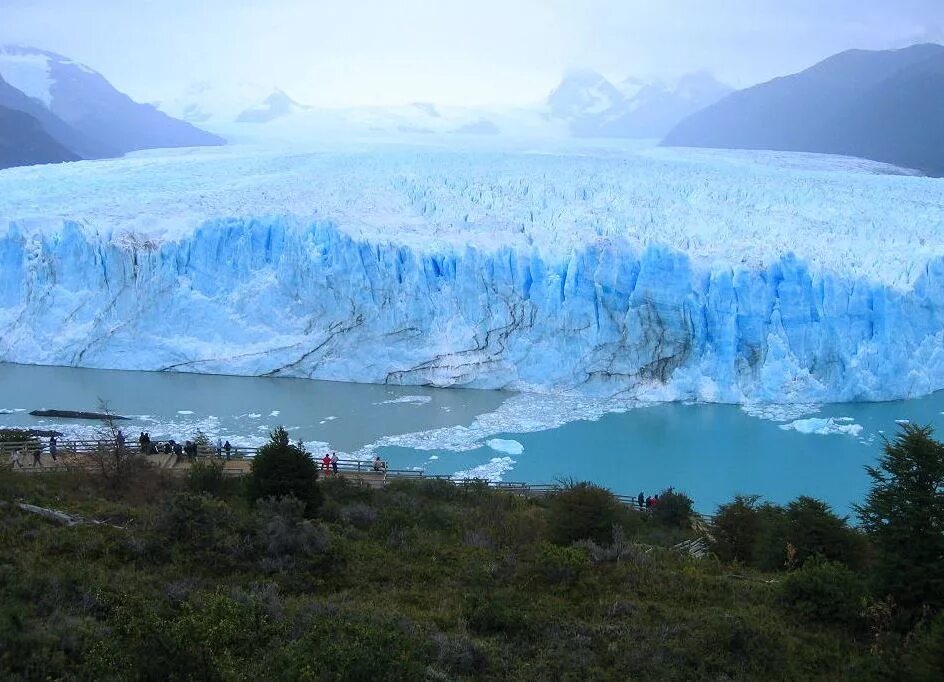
651	275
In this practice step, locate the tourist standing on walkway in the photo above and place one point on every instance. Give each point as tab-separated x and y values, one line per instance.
53	447
326	462
334	462
120	440
37	462
15	461
219	447
641	501
226	449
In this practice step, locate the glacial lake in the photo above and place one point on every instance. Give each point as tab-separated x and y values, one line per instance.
709	451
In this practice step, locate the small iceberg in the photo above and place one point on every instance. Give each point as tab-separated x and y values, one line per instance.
824	427
509	447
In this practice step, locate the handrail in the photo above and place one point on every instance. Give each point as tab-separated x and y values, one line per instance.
237	453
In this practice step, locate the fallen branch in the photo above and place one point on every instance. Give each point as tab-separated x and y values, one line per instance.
62	518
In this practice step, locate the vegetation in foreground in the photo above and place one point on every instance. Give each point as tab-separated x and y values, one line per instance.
228	579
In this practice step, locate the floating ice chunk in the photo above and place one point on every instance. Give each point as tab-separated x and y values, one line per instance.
511	447
493	470
433	457
823	427
902	421
274	413
330	419
184	411
254	415
407	399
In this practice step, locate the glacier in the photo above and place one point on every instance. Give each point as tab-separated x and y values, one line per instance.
645	274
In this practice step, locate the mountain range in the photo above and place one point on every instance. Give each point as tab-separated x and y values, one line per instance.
592	106
79	110
881	105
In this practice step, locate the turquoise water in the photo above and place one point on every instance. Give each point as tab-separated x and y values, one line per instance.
709	451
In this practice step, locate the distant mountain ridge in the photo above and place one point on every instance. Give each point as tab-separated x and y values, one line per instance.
882	105
82	111
595	107
24	142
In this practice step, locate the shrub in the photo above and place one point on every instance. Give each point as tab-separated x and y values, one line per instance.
674	508
337	646
206	476
458	655
198	521
619	550
582	511
281	469
283	535
358	514
924	659
824	591
560	565
487	614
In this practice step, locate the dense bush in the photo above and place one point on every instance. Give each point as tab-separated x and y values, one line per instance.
284	536
825	591
583	511
924	659
281	469
206	476
557	565
674	508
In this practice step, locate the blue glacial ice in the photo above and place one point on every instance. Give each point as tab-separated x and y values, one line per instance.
657	275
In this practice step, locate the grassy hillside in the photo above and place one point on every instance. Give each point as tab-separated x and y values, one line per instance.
420	580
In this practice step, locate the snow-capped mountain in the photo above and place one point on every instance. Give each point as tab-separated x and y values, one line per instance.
276	105
220	105
252	112
110	122
53	126
583	93
592	106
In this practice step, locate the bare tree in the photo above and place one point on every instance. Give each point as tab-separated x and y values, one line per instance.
111	458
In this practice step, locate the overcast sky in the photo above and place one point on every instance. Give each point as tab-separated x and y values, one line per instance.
483	52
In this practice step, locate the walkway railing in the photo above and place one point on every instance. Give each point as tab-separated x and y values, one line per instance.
237	465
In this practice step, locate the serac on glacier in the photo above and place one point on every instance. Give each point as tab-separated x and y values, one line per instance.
717	276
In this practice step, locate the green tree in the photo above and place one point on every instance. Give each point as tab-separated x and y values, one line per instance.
280	469
903	515
735	527
814	530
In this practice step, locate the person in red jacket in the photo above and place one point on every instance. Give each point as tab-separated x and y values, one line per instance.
326	462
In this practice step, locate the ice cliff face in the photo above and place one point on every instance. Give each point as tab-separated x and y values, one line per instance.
387	292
